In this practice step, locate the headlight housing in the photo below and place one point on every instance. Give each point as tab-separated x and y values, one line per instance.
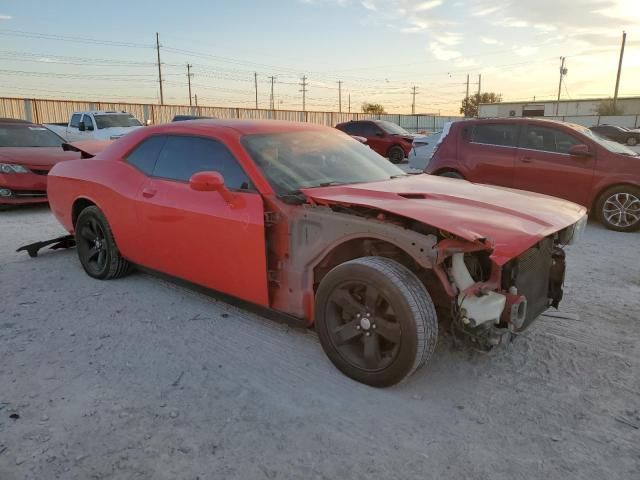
12	168
573	233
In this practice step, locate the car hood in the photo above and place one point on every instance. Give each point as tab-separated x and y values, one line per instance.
510	221
117	131
35	156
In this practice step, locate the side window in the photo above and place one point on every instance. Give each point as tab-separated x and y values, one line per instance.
144	156
350	128
495	134
548	140
368	129
183	156
88	121
75	120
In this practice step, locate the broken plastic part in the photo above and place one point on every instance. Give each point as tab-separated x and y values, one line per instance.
487	308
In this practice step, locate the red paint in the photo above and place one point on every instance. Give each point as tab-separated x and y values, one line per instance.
217	238
378	138
39	161
580	179
511	221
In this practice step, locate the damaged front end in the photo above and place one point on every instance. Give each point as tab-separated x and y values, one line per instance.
490	302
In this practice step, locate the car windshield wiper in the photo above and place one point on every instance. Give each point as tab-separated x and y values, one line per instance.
295	197
398	175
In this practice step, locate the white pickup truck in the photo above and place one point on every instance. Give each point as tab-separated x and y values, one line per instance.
95	125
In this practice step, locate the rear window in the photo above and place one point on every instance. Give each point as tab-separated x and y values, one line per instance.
495	134
28	136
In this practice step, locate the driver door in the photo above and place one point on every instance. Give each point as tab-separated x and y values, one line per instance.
198	236
545	166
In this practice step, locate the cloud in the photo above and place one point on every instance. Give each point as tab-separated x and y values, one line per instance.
441	52
449	38
484	11
465	62
525	51
369	5
424	6
489	41
5	17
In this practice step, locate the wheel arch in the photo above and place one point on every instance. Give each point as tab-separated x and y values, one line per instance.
603	189
442	170
79	204
397	144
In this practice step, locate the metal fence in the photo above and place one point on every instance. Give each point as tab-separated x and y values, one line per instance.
53	111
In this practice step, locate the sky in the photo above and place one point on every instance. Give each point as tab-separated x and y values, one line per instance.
378	49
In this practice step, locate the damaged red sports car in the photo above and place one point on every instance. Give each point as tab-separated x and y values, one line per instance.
307	221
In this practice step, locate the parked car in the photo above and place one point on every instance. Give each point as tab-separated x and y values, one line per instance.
549	157
95	125
385	138
307	221
617	134
182	118
27	153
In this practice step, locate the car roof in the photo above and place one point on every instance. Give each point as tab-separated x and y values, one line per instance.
243	127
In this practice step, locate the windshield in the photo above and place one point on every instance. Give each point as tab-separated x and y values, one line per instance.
608	144
392	128
296	160
28	136
116	120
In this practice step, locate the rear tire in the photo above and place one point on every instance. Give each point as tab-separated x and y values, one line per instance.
619	208
396	154
96	247
376	321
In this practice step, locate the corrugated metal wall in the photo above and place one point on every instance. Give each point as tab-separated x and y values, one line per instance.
55	111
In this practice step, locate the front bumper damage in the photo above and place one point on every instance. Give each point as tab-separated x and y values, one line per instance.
513	295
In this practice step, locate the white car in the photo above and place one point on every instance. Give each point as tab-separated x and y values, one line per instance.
95	125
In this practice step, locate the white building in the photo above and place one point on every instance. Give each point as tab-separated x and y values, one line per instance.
566	108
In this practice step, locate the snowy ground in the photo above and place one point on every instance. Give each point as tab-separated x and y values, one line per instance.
141	378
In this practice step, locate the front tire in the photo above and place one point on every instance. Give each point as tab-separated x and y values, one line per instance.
376	321
96	247
619	208
396	154
632	141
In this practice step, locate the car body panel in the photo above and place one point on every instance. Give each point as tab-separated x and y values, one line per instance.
473	212
259	248
30	187
578	179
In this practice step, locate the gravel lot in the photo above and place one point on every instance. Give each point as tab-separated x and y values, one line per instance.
140	378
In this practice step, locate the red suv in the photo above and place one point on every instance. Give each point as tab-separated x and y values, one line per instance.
385	138
545	156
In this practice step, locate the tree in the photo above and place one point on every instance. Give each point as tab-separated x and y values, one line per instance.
470	104
606	107
374	108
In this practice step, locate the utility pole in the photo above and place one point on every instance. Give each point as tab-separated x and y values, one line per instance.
159	69
479	95
615	95
189	75
339	96
255	79
272	104
413	103
349	103
466	102
563	72
196	98
304	93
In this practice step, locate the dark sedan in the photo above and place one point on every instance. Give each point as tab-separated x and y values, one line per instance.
617	134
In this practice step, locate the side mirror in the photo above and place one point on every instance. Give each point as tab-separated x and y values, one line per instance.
211	182
580	151
81	126
379	134
89	127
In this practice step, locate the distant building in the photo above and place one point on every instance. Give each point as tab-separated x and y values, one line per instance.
547	108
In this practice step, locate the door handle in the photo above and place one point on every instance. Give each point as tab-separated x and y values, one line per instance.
148	192
527	159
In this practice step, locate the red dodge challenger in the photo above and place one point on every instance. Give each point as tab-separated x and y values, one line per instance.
307	221
27	152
